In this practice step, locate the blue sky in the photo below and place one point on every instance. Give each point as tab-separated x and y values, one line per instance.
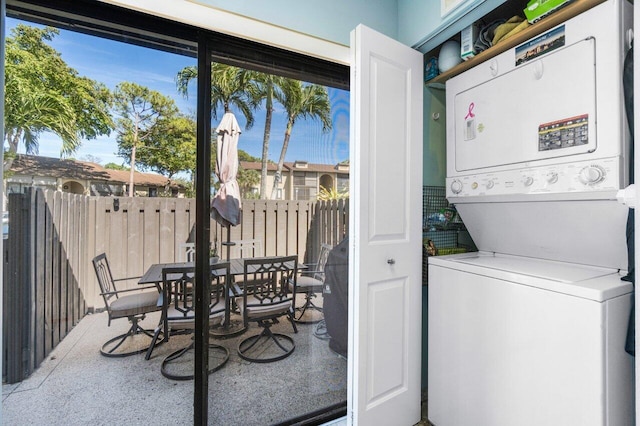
113	62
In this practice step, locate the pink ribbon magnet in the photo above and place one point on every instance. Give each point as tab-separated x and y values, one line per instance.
470	113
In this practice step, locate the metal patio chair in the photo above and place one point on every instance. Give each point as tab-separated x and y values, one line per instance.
265	298
310	283
178	317
243	249
187	252
133	304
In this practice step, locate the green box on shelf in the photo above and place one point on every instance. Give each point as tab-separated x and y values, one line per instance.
538	9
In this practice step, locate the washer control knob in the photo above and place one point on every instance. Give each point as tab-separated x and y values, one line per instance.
490	184
528	181
592	174
552	177
456	186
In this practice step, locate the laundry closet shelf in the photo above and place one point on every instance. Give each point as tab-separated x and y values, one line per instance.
567	12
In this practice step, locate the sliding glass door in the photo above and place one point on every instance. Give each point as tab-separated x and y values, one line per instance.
114	144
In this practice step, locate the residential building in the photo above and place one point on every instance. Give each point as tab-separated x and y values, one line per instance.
302	180
82	177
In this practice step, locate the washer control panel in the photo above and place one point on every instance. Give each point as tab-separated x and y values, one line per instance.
576	177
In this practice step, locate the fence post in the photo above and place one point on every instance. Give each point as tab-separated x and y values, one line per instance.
17	291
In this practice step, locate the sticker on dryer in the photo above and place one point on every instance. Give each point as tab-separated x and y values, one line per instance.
541	45
564	133
470	123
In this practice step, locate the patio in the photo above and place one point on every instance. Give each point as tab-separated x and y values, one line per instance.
76	385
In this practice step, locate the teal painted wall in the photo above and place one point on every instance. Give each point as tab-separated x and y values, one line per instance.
422	25
331	20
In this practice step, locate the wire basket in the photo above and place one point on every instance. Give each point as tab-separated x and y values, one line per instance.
437	213
441	227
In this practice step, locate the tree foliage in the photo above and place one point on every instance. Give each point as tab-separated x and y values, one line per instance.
114	166
247	180
171	148
332	194
229	91
42	93
143	114
244	156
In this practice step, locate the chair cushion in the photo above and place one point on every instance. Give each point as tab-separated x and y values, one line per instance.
257	310
135	304
178	320
306	284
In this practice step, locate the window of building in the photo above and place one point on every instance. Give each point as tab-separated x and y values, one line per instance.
106	189
343	182
305	185
22	188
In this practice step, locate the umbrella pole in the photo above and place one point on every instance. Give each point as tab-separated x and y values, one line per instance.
230	327
229	243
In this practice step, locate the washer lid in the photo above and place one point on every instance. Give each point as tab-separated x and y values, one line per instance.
589	282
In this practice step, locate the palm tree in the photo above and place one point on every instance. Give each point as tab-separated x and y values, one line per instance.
32	114
228	88
43	93
247	179
262	87
301	101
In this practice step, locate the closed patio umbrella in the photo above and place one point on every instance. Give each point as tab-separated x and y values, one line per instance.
226	205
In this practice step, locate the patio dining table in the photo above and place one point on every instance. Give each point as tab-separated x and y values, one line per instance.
236	267
153	275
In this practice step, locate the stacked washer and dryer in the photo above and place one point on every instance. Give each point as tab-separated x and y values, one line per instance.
531	329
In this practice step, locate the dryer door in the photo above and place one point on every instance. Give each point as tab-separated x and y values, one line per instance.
544	108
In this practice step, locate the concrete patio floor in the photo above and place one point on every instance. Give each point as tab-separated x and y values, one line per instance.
76	385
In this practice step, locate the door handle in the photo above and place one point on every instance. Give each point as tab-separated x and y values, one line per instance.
391	261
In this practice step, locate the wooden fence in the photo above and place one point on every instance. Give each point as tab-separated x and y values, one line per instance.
49	281
45	282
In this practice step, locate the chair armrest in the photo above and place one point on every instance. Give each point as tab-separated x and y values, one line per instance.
129	278
310	273
235	290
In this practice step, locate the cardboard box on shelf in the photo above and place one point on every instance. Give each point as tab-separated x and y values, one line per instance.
468	37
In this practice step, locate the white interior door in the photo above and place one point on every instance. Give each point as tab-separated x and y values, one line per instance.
385	311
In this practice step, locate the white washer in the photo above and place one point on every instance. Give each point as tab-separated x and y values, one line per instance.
521	341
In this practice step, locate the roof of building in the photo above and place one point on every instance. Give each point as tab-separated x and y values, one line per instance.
75	169
257	165
298	166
